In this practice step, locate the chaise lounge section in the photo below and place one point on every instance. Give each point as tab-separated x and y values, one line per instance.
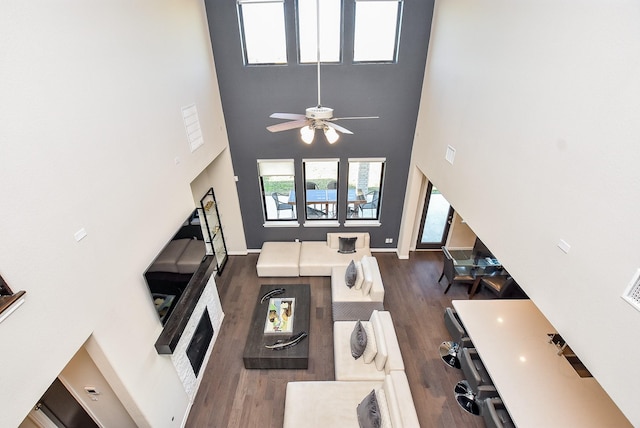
326	404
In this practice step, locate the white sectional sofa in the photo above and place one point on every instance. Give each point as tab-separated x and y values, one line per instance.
358	302
317	258
381	336
325	404
279	259
309	258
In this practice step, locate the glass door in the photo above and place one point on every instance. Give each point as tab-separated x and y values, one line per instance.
436	220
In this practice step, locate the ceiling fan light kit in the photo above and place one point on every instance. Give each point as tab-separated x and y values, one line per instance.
307	133
318	117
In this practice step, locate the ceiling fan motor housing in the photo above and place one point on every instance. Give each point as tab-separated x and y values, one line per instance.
319	112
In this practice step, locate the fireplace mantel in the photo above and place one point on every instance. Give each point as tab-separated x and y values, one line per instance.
179	318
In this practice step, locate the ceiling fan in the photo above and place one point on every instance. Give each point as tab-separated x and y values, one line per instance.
318	117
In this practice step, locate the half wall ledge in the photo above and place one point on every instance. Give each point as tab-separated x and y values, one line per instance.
10	303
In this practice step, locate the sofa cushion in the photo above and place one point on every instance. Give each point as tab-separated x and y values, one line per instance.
385	417
351	274
279	259
317	259
368	412
347	245
333	239
371	347
400	400
359	276
324	404
381	341
358	340
367	271
346	367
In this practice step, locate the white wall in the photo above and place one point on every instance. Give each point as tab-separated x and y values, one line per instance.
90	132
541	100
81	372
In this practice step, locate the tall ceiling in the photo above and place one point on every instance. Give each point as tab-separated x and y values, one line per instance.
251	93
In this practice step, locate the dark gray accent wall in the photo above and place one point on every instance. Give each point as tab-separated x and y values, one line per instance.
251	93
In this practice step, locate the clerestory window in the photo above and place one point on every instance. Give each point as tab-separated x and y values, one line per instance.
262	31
377	30
330	24
373	27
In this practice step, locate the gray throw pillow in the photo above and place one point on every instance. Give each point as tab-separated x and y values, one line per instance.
368	412
358	340
347	245
351	274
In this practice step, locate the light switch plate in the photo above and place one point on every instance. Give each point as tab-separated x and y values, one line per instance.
564	246
80	234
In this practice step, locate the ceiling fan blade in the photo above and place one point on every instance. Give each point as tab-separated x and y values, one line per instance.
338	128
356	117
290	116
284	126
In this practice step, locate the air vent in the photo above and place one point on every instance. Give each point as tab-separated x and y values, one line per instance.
450	155
632	293
192	125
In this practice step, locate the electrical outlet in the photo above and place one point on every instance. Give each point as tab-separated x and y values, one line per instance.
388	241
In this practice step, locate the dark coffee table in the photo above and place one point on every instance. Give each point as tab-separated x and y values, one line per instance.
256	355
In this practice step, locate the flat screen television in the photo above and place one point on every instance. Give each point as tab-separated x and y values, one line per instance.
170	272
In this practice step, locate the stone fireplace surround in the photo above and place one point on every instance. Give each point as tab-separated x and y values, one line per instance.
201	294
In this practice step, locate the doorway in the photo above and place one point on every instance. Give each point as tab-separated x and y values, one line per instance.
63	409
80	397
436	220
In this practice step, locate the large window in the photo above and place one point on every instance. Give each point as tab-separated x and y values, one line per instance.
262	30
377	30
277	182
330	16
364	189
321	189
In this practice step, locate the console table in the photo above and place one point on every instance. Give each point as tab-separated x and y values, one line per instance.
538	387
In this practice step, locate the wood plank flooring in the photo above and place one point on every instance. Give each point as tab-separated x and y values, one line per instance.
231	396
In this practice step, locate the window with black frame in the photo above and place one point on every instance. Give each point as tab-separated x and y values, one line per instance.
364	192
277	183
321	189
262	31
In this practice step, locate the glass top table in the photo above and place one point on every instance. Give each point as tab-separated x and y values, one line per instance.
480	266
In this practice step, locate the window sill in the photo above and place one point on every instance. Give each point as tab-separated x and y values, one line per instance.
362	223
322	223
288	223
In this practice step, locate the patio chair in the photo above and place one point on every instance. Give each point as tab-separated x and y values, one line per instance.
281	206
372	202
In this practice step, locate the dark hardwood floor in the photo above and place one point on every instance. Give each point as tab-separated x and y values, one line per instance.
231	396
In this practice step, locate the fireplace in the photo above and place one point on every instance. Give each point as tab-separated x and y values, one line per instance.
199	344
196	341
